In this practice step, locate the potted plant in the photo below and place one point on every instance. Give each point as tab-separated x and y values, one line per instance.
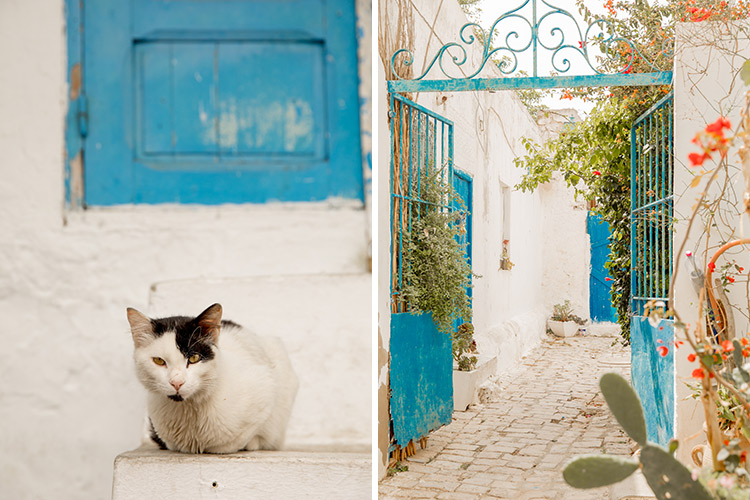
563	322
465	375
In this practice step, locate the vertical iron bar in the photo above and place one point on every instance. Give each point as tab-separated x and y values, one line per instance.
633	256
401	203
534	35
393	168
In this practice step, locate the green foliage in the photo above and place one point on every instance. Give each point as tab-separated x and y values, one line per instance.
436	272
396	468
564	312
666	476
463	346
593	157
471	8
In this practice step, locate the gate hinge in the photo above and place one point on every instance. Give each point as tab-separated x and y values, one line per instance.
83	115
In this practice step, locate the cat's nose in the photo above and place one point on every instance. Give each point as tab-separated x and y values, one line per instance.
176	384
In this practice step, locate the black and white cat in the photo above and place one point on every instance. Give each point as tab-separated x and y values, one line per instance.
213	387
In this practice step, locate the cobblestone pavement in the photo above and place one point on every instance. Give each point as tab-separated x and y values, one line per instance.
516	446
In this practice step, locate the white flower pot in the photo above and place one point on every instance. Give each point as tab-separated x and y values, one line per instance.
563	328
464	388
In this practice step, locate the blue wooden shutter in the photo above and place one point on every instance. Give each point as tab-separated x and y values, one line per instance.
224	101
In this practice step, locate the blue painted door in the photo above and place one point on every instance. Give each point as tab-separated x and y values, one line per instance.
464	186
421	377
600	284
222	101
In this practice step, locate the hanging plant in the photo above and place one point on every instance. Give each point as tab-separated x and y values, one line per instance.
436	271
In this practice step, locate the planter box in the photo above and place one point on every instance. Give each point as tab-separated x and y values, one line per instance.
465	383
563	328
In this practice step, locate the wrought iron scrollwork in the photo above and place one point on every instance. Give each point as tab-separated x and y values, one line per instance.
600	32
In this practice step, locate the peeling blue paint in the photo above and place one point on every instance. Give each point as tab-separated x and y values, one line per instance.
188	104
421	377
536	82
654	376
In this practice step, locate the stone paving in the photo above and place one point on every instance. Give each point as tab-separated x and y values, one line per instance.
515	446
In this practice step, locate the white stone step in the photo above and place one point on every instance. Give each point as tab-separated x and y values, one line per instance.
146	474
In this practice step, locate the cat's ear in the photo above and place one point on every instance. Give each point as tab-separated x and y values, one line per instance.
210	321
140	327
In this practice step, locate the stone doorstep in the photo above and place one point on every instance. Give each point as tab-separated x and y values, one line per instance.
145	474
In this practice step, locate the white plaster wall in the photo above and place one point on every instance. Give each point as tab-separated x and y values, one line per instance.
567	248
549	246
382	250
509	313
706	86
69	401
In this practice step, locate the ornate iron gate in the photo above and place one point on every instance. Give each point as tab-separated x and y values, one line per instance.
651	179
421	368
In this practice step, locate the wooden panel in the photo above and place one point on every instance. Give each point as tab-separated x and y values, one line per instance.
421	377
221	102
271	99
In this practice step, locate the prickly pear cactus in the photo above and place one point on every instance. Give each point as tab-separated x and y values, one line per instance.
593	471
667	477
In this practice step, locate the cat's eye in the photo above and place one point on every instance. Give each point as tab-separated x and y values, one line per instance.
159	361
194	358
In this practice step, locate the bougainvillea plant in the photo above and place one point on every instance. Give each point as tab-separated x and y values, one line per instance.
594	155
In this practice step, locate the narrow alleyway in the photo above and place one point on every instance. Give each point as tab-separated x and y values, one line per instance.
516	446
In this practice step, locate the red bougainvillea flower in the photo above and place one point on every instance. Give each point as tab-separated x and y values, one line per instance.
597	173
741	269
607	278
663	350
745	353
727	346
688	254
697	159
730	279
691	357
698	373
744	341
711	266
716	128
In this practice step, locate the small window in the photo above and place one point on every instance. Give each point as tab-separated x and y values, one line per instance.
229	101
505	262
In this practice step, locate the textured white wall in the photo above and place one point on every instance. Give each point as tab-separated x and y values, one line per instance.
69	401
706	86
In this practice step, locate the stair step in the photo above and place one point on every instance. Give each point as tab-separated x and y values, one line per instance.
146	474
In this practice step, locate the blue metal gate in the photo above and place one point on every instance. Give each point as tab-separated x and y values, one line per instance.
421	369
600	286
652	167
